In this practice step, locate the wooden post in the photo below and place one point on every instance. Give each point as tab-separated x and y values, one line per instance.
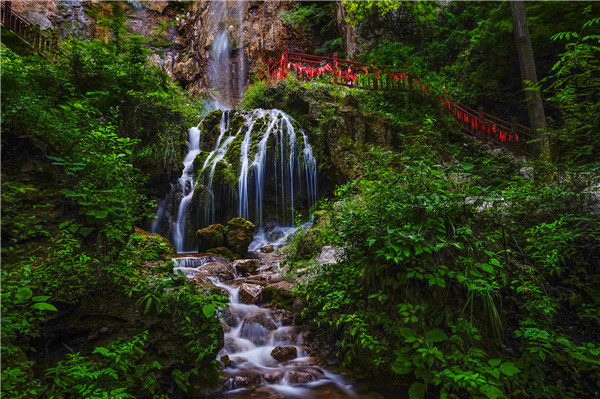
375	76
335	67
269	70
285	59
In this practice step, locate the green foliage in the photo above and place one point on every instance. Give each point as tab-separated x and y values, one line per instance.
434	264
254	96
574	85
118	372
304	15
98	117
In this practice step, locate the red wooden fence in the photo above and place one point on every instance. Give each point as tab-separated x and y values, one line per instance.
486	127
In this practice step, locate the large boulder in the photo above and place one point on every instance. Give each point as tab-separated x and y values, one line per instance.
152	245
211	237
222	271
250	293
246	266
239	233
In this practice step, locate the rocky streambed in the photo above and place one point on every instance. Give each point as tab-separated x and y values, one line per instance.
265	355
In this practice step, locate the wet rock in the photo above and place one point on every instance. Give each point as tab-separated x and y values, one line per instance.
273	377
239	234
211	237
257	326
298	376
250	293
284	286
246	266
275	235
285	335
221	271
231	346
284	353
247	379
283	316
330	255
225	360
267	249
226	327
202	282
233	317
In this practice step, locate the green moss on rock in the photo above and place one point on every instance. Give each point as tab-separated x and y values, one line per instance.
210	237
225	252
239	234
278	297
199	162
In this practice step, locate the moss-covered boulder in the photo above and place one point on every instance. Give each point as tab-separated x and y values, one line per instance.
153	246
239	234
225	252
211	237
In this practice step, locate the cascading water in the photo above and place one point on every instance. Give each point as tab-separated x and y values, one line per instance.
186	185
252	336
254	164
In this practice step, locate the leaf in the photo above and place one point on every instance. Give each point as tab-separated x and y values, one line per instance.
492	392
509	369
495	362
416	390
467	166
69	193
436	335
400	368
23	294
208	310
40	298
44	306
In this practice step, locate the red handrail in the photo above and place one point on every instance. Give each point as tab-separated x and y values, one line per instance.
511	135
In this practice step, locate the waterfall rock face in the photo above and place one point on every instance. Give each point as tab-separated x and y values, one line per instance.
256	165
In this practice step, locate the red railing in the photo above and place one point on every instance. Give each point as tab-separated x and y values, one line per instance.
486	127
43	43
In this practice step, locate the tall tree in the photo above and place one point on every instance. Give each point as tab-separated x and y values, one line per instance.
533	97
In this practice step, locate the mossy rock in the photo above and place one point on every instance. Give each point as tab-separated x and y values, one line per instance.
199	162
211	237
239	234
225	252
278	297
233	154
224	174
210	130
152	245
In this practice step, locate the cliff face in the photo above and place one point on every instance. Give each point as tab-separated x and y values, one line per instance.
201	44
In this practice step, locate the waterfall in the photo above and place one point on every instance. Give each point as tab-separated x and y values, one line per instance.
186	185
254	164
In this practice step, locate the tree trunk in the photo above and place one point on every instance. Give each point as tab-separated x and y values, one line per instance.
533	97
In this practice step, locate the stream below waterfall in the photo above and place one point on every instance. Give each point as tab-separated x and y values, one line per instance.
256	334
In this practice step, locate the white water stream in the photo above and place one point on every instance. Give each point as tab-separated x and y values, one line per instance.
251	334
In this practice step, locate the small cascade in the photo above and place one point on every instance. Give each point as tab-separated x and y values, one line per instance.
186	185
255	336
255	164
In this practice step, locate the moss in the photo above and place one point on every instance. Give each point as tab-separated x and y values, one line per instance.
224	174
225	252
236	122
210	130
201	195
234	153
211	236
239	234
199	162
152	245
278	297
